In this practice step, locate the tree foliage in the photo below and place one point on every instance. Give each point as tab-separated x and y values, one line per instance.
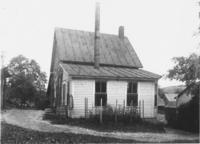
186	69
25	81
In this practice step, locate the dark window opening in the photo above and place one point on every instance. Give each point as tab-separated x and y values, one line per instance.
132	96
64	93
100	93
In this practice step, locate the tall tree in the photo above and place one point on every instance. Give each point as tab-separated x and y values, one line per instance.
26	82
186	69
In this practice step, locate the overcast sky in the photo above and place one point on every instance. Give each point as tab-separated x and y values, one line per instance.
157	29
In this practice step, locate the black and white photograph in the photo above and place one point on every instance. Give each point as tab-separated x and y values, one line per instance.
99	71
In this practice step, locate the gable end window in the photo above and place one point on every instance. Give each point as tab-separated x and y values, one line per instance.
100	93
132	96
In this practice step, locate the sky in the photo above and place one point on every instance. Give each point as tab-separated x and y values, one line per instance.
158	29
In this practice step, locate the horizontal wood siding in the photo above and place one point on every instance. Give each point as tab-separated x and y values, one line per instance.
80	90
116	90
146	92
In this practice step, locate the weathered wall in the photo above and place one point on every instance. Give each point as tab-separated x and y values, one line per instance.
79	90
116	90
146	92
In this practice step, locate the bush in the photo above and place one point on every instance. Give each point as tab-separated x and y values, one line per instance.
170	115
188	115
109	115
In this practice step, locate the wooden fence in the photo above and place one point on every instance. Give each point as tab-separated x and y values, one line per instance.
117	109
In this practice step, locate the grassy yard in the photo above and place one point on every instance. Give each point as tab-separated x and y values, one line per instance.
13	134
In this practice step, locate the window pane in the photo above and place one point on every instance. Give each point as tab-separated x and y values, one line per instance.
129	87
104	99
128	100
135	99
103	87
97	86
97	99
132	99
100	93
134	87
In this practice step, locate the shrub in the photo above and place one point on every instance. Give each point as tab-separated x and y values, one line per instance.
109	115
188	115
170	115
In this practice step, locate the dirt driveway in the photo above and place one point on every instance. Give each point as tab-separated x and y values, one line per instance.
32	119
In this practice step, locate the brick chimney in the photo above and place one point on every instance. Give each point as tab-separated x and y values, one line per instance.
121	32
97	37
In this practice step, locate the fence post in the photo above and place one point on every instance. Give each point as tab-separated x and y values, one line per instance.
116	112
143	108
101	109
140	113
131	115
86	107
123	107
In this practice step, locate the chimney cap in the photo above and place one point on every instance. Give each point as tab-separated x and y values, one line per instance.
121	32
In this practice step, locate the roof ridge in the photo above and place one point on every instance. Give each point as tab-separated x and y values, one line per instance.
77	30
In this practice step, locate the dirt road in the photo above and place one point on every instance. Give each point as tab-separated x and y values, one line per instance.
32	119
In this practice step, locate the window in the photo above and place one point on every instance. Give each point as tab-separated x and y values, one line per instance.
64	93
132	96
100	93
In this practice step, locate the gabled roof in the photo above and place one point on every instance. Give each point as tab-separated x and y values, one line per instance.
171	96
188	88
107	72
78	46
171	104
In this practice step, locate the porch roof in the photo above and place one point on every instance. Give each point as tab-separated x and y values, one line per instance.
83	71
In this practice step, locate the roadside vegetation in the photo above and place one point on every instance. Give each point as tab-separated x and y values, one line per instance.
124	123
14	134
24	84
187	70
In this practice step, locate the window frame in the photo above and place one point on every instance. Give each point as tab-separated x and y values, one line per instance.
132	92
101	94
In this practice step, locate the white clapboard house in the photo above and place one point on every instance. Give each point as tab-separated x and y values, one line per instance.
99	67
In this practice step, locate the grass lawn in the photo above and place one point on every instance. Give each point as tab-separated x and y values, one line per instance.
14	134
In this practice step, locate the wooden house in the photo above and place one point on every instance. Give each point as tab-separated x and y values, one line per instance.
100	67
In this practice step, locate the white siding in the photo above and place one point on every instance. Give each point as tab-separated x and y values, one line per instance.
146	92
116	90
80	89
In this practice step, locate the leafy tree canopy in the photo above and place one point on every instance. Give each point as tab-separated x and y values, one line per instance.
26	81
186	69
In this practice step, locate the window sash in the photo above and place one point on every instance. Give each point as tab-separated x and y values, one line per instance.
98	97
132	97
100	93
100	87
